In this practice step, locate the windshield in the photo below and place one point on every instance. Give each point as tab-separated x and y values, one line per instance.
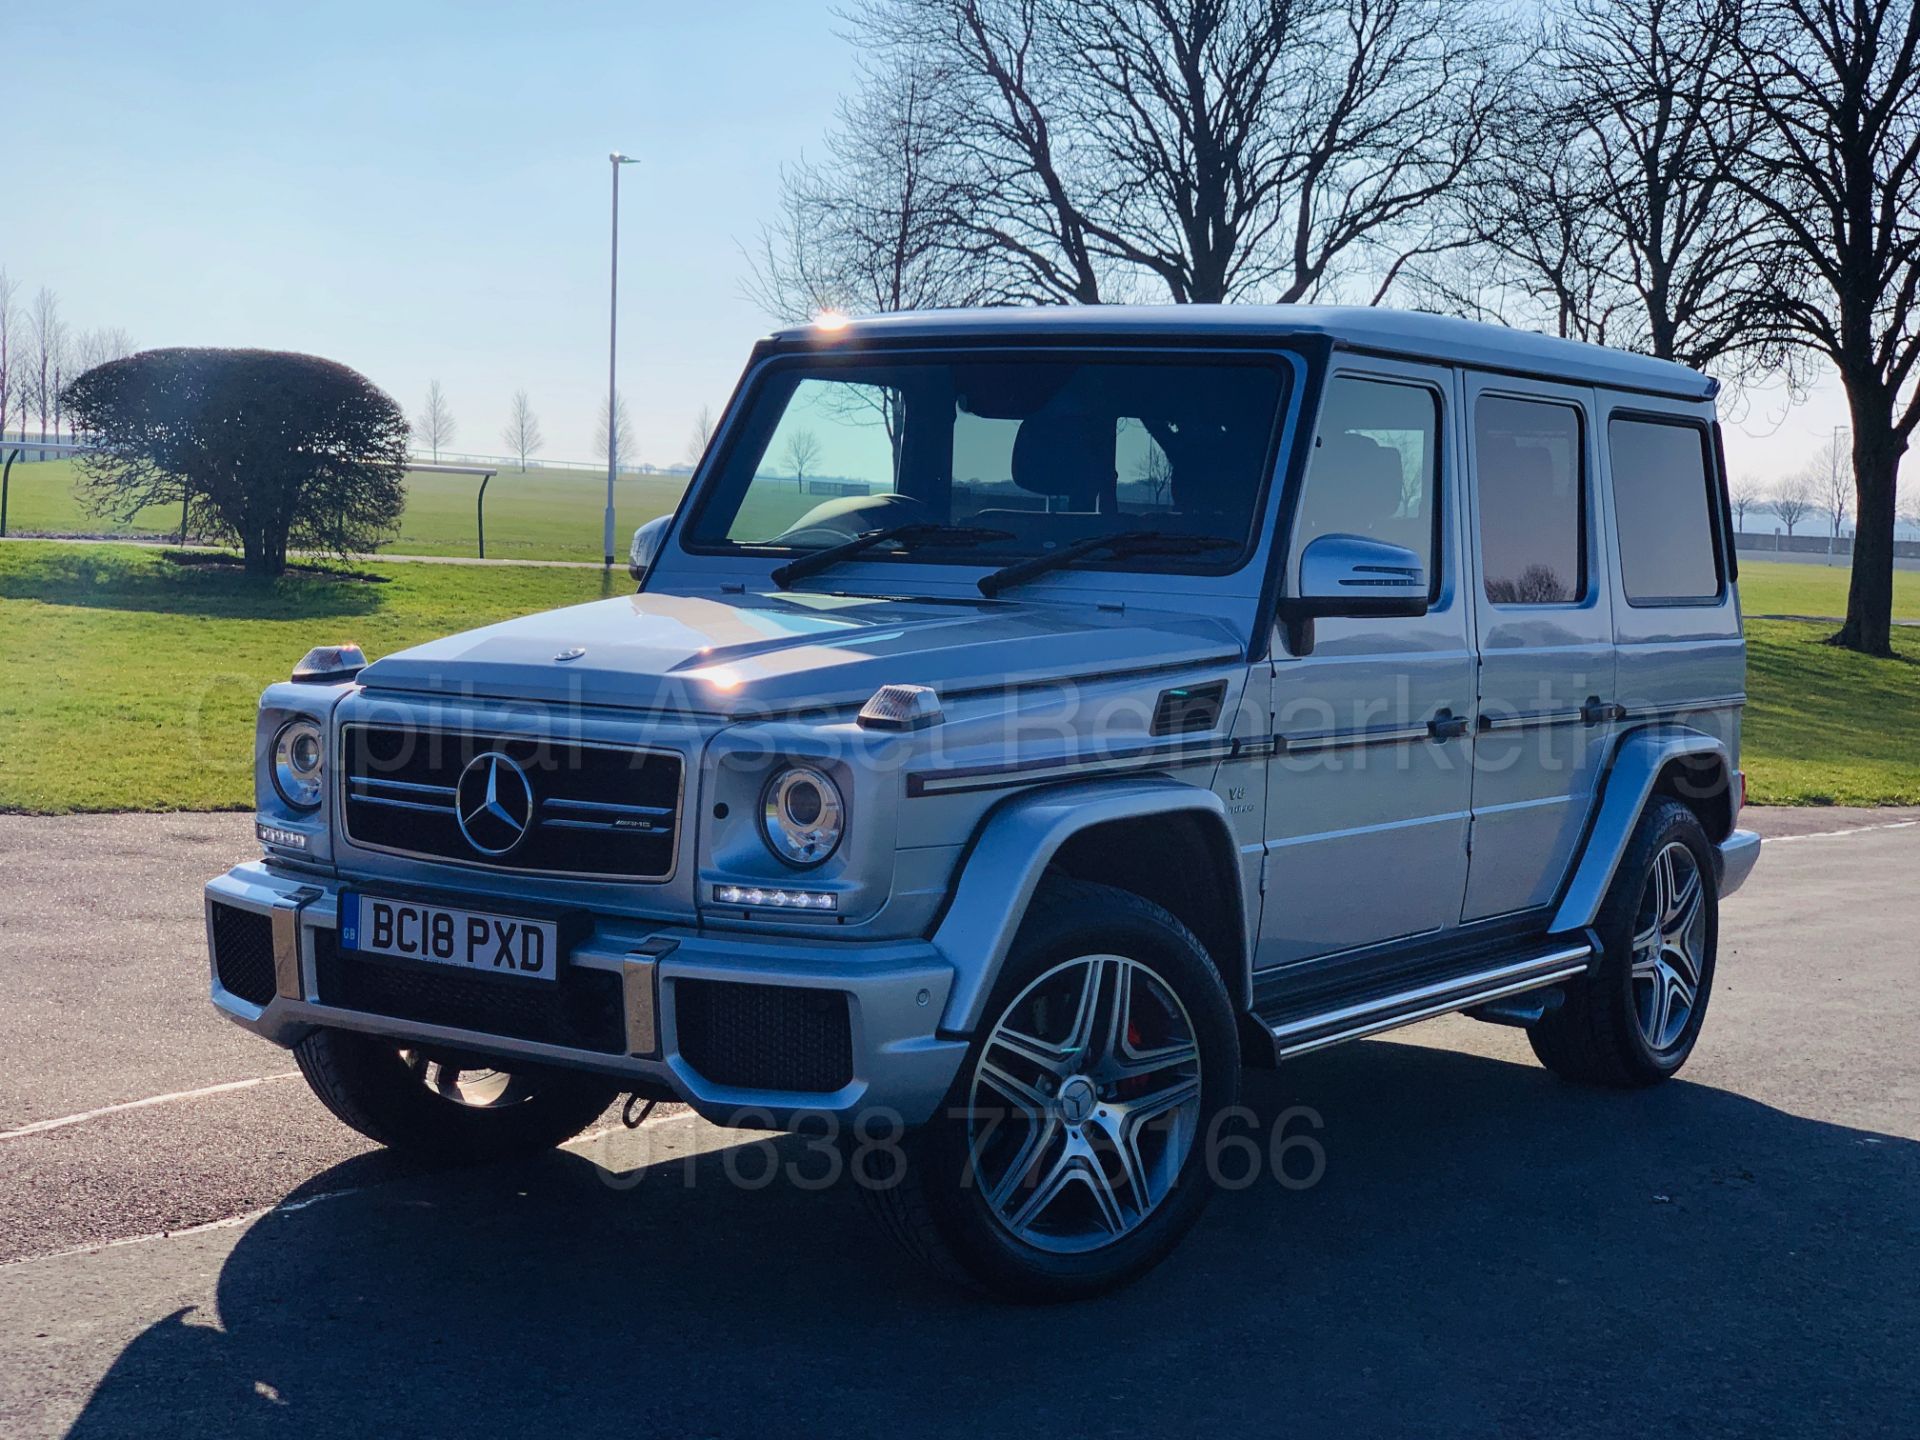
1032	454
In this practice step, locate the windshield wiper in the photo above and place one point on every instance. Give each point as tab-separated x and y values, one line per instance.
924	532
1119	546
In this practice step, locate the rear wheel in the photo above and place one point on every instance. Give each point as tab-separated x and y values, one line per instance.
444	1104
1069	1158
1634	1020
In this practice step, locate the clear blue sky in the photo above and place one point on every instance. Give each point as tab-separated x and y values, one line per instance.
419	189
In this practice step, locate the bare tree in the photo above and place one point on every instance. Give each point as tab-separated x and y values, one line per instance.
1830	480
98	346
9	374
1833	91
1615	203
702	437
803	449
1204	150
1792	500
1745	493
878	225
434	424
47	334
622	432
522	434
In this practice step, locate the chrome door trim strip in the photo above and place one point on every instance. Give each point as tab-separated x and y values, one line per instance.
1691	707
1071	767
1536	720
1351	739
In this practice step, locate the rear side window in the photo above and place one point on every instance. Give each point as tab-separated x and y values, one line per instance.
1663	507
1527	457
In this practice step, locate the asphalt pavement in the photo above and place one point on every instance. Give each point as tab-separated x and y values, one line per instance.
190	1245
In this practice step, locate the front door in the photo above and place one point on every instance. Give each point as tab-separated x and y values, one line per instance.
1368	787
1545	628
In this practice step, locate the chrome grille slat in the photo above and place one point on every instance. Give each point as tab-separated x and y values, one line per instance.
661	810
389	800
376	783
614	826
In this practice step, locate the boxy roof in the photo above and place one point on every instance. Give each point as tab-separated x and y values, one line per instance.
1404	333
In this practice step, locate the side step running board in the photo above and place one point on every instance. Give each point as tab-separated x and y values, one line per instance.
1305	1033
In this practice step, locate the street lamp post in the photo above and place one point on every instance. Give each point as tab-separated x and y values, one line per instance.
616	160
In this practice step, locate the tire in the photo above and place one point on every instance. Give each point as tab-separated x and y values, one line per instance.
1609	1031
413	1102
1128	1150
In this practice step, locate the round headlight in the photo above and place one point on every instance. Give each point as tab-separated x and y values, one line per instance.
299	755
803	815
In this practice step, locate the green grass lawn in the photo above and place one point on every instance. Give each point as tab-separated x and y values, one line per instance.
541	515
1778	587
1829	727
131	680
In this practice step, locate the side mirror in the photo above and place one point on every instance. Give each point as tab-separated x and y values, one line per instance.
1352	575
646	545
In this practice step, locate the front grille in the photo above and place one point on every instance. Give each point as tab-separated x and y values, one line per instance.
764	1037
603	811
582	1010
243	953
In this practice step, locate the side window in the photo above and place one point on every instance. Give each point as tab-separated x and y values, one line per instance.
1375	470
1662	483
1527	459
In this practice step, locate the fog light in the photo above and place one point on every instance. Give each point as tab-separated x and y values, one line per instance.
762	897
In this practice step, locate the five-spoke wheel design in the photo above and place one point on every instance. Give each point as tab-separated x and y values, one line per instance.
1669	941
1085	1103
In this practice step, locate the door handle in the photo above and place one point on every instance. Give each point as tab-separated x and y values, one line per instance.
1598	712
1447	726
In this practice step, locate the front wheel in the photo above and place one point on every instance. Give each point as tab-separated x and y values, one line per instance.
1634	1019
446	1105
1070	1156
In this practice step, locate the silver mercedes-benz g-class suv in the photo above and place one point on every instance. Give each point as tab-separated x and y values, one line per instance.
1027	720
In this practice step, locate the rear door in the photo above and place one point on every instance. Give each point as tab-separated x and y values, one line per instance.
1544	619
1368	786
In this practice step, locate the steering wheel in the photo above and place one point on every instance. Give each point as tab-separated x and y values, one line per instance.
837	521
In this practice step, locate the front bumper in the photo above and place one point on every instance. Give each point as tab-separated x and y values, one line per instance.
895	992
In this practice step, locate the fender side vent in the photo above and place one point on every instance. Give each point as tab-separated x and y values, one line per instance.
1190	709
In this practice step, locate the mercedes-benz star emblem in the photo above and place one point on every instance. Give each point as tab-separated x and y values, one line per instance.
493	803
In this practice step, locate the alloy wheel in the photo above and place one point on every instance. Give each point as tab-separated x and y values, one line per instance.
1084	1104
1669	941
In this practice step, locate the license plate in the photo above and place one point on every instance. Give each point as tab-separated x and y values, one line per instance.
441	935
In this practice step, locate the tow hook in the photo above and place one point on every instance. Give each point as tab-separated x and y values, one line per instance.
634	1121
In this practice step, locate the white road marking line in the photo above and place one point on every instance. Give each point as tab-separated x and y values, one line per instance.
289	1207
40	1127
227	1222
1766	840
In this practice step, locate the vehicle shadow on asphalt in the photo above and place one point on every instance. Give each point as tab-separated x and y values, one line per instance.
1487	1251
